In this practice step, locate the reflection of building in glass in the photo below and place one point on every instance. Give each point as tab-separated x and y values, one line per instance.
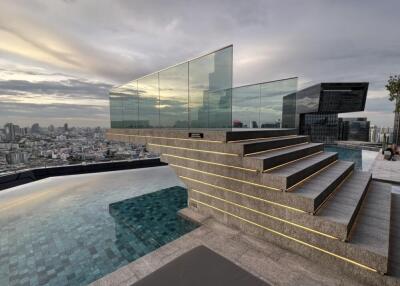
354	129
317	109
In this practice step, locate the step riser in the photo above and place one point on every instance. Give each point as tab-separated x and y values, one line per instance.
231	172
267	145
336	264
203	156
284	183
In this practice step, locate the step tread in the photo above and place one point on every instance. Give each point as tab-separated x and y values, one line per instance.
372	228
271	154
313	187
341	206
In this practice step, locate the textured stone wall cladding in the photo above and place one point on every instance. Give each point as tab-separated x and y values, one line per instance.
249	199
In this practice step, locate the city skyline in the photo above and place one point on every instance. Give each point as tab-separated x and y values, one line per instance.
58	65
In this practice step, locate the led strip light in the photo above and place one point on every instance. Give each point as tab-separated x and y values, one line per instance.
242	194
161	137
265	214
211	163
291	238
195	150
229	178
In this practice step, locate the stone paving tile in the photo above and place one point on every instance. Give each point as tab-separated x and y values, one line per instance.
264	260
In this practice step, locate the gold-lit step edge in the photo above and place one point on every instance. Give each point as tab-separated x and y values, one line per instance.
290	238
208	162
225	177
161	137
194	150
266	215
243	194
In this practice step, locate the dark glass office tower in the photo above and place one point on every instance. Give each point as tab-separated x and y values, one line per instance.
317	109
354	129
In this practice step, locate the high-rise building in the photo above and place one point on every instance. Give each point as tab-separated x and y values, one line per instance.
318	106
35	128
66	127
373	134
354	129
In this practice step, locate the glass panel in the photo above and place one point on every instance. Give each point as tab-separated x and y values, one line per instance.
116	110
208	73
174	97
220	109
272	94
130	102
246	107
149	116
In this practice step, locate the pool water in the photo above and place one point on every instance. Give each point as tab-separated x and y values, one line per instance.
362	159
73	230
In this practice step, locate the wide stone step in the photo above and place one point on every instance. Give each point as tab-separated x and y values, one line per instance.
340	210
371	231
291	174
272	159
357	252
309	194
239	134
394	254
254	146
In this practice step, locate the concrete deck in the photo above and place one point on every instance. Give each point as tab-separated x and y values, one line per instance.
264	260
385	170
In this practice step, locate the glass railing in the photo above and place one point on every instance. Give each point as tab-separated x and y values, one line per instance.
198	94
176	97
265	105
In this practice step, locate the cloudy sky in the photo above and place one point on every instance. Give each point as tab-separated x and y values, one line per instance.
59	58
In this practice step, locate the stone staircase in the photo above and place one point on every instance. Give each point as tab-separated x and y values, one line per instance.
280	187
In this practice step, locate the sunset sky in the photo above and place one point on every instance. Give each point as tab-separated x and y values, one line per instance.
58	59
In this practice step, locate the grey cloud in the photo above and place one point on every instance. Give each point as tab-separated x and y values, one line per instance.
68	88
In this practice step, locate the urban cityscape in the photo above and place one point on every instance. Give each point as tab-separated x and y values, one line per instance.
24	148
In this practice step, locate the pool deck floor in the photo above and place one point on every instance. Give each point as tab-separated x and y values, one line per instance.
385	170
264	260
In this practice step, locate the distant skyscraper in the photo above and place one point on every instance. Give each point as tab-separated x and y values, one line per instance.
396	128
35	128
373	134
66	127
9	131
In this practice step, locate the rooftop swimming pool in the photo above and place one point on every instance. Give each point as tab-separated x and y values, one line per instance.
362	159
73	230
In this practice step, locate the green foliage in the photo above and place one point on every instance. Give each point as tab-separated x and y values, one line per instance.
393	86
